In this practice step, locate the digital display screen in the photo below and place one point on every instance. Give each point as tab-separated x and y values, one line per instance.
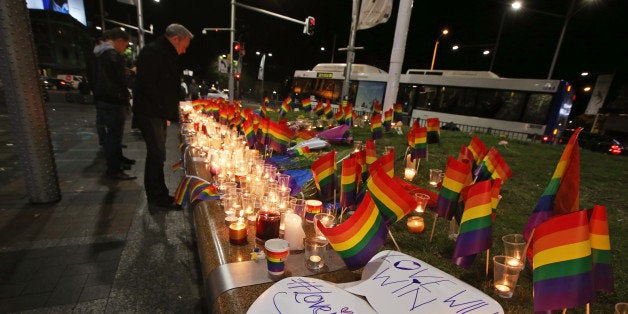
74	8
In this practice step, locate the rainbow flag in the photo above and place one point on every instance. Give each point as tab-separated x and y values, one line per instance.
391	199
285	107
562	263
601	250
388	116
351	172
262	131
323	171
262	109
398	113
318	109
279	136
457	176
340	116
386	163
465	155
328	111
249	132
493	166
371	153
433	131
302	151
360	157
562	194
266	100
359	237
420	143
192	189
377	107
306	104
376	126
475	226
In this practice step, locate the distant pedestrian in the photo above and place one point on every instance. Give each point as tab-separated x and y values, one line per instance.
112	99
156	103
183	92
194	90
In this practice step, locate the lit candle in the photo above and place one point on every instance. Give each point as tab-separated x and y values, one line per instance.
409	174
314	262
415	224
514	262
315	259
294	233
237	232
502	288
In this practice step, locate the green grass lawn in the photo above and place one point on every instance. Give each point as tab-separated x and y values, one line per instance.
603	178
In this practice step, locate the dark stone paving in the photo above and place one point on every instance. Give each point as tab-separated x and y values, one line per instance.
98	249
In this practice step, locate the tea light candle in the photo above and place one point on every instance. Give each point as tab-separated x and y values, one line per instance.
314	262
514	262
502	288
409	174
415	224
237	232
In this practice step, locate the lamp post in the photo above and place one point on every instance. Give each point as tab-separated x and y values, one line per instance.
516	5
444	32
570	13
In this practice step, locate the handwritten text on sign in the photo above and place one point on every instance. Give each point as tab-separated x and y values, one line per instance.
398	283
308	295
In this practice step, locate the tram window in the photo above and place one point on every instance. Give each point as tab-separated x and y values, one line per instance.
537	108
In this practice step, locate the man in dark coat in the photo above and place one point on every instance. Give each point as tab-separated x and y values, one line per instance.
112	98
156	103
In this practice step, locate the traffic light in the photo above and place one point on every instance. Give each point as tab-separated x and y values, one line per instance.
236	48
237	76
310	24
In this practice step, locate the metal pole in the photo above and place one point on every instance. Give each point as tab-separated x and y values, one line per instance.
351	48
102	15
397	53
333	49
232	39
140	24
499	36
18	73
560	40
434	54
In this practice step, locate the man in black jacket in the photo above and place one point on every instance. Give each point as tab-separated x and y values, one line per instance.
156	103
112	97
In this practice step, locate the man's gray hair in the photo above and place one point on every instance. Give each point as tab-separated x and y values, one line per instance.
178	30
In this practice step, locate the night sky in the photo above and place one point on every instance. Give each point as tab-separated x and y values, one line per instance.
594	41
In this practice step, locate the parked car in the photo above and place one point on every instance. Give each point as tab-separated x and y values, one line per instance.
72	80
212	94
595	142
52	83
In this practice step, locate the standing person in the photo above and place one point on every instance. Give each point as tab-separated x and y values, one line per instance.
112	98
156	103
183	93
194	90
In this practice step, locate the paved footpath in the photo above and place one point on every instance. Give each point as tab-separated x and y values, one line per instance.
99	249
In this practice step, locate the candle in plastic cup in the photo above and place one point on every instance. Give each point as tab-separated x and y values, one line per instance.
327	220
514	246
421	202
435	177
505	275
314	253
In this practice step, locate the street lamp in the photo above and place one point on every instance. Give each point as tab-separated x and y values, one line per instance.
515	5
444	32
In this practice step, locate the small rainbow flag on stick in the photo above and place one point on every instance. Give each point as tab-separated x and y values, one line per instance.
323	171
391	199
457	176
601	250
351	172
562	263
433	130
376	126
306	104
475	226
359	238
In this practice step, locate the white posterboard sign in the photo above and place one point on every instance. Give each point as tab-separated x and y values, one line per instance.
394	282
308	295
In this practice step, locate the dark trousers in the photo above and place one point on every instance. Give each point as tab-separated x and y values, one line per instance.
113	117
101	129
154	132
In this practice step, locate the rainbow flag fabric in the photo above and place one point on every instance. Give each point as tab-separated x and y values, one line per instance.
377	107
285	106
398	113
457	176
302	151
323	171
329	113
371	152
562	194
249	132
433	131
478	149
420	143
340	116
376	126
318	109
475	226
385	163
359	237
601	250
279	136
306	104
350	175
192	189
388	117
391	199
262	110
493	166
562	263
